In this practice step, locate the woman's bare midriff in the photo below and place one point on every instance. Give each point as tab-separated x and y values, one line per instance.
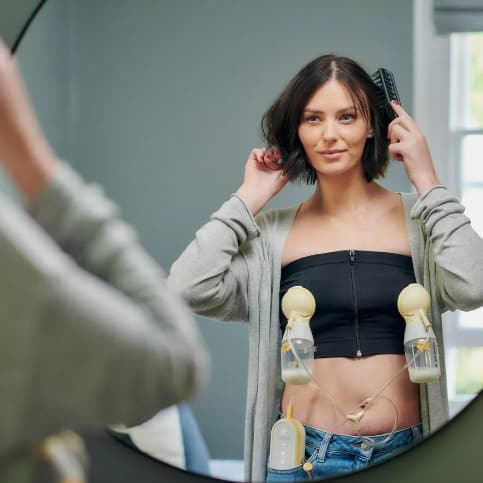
349	382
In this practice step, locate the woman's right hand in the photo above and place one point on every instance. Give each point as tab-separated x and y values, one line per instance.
263	179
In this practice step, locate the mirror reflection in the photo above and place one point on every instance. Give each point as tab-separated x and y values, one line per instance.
161	104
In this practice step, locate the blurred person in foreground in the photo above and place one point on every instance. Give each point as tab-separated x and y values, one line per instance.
91	335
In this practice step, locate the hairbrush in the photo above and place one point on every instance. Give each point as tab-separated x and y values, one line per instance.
384	80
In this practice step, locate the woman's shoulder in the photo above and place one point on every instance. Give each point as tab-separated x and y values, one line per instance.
276	219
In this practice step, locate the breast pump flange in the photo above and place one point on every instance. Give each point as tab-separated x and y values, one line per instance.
297	354
420	344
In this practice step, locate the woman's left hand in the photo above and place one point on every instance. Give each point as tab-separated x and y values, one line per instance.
408	144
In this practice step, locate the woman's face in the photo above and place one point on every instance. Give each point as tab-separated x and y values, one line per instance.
333	132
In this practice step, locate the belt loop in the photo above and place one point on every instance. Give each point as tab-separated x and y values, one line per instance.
323	446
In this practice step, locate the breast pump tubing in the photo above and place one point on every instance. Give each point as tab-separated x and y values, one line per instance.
355	418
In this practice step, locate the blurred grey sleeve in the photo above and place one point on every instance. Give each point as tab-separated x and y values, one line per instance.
92	336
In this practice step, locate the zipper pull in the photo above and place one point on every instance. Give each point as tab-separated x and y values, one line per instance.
352	256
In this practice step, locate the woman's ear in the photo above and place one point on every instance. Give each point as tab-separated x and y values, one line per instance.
370	133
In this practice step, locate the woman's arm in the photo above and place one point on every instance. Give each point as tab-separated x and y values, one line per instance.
212	274
77	352
127	335
457	248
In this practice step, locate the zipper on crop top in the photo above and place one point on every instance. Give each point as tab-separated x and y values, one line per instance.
352	257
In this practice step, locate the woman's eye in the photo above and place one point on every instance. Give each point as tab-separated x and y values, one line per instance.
347	117
312	119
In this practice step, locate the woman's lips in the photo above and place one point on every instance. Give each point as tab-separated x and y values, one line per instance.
332	154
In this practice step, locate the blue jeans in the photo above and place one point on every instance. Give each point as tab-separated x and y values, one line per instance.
334	454
196	453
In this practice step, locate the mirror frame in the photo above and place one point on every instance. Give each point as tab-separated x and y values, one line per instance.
453	453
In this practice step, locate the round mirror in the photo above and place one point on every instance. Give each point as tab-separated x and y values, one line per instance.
160	103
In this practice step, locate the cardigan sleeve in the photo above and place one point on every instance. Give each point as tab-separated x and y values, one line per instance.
457	248
114	296
211	274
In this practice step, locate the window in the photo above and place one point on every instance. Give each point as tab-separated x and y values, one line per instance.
464	333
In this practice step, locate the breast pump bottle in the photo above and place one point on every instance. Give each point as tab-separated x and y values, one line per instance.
287	438
297	354
420	345
287	442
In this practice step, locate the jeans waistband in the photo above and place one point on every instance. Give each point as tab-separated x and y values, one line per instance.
315	438
411	431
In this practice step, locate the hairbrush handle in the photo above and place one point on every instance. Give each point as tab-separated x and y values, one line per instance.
384	80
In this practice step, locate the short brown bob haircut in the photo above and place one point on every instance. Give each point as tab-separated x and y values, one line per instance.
281	121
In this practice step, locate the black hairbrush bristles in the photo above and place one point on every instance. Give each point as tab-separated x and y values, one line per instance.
384	80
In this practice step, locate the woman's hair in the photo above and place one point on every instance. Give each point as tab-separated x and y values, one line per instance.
281	121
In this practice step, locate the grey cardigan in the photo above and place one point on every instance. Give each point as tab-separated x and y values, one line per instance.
231	271
91	335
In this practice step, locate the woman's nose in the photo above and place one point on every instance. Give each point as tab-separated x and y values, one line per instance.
329	132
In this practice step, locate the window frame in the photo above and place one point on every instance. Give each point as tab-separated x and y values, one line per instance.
434	54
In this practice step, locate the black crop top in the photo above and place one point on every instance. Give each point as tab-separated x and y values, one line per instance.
356	295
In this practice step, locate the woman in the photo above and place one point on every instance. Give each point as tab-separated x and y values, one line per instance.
356	245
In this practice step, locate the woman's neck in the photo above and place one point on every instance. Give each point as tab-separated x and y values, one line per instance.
336	196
